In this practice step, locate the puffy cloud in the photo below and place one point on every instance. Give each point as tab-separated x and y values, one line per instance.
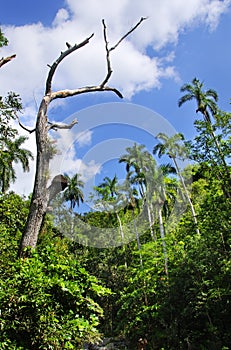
134	69
37	45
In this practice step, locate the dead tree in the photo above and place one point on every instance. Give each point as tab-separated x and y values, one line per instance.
41	192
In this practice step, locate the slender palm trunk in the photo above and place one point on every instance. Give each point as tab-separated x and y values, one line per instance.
137	237
162	235
150	222
221	155
122	238
187	195
120	227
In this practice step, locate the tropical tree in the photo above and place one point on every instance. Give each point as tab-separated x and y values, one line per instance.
110	198
172	147
206	100
73	192
131	201
206	104
11	152
138	161
159	193
108	188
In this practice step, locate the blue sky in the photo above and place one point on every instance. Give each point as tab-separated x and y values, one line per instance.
179	41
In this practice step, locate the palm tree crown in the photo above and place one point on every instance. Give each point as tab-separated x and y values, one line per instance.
73	192
206	100
10	153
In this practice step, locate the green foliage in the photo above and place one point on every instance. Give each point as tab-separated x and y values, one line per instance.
11	150
3	39
47	302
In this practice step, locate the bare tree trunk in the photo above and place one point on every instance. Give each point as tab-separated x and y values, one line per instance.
41	193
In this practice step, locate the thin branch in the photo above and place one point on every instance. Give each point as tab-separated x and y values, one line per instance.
55	126
54	66
109	69
5	60
25	128
128	33
108	50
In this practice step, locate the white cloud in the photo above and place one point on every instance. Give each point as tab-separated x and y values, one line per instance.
67	161
84	138
133	70
37	45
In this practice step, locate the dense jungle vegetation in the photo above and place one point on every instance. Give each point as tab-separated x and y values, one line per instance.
163	276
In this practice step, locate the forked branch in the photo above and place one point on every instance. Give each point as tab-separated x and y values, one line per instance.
87	89
108	50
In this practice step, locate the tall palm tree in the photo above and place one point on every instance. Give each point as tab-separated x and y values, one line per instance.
73	192
10	154
108	191
138	160
172	147
129	195
158	195
206	104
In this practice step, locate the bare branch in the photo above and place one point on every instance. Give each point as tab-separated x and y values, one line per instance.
108	50
128	33
86	89
55	126
54	66
5	60
25	128
109	69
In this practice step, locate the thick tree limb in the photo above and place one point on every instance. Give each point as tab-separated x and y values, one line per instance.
86	89
56	126
5	60
60	58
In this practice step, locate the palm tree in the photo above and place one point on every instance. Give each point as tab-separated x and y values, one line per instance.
130	199
73	191
171	146
108	190
10	154
109	187
159	192
206	102
138	161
